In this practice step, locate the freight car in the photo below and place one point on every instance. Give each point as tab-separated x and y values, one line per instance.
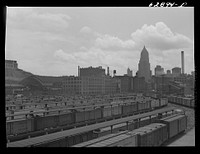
66	133
69	141
151	135
155	134
184	101
80	115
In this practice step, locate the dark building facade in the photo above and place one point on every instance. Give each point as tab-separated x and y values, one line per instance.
176	71
92	71
165	85
159	70
126	83
144	65
139	84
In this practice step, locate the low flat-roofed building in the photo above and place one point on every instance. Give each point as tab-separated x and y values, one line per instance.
11	64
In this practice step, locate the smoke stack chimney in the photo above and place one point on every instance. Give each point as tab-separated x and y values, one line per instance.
182	61
108	71
114	72
78	70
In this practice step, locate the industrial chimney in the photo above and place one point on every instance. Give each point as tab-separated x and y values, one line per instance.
114	72
108	71
78	70
182	61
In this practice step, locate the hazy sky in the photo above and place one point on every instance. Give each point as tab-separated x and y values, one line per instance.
54	41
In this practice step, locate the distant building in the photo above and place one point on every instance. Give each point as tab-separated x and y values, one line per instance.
144	65
71	85
92	85
92	71
91	81
126	83
159	70
169	85
11	64
139	84
160	82
129	72
176	71
168	72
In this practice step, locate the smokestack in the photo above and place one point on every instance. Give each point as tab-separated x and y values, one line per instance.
78	70
108	71
182	61
114	72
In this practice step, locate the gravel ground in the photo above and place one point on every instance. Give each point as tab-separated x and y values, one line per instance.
190	115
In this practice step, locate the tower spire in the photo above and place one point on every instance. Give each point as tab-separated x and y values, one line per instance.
144	65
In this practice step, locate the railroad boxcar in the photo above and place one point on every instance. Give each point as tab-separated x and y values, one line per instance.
91	114
142	136
90	142
159	134
170	98
152	135
141	106
79	116
98	113
19	126
57	143
174	124
157	103
174	99
117	141
87	114
134	107
48	121
182	123
66	118
106	111
115	110
68	141
163	101
115	129
124	140
147	106
126	109
153	103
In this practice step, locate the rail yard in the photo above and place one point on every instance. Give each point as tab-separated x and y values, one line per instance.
76	120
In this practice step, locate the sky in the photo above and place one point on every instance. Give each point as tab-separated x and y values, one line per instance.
54	41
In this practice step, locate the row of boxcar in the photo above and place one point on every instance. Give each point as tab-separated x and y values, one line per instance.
20	126
184	101
51	101
91	136
154	134
154	103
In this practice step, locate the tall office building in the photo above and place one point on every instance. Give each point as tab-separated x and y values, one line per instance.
144	65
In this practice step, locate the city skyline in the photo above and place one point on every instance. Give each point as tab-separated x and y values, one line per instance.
55	41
